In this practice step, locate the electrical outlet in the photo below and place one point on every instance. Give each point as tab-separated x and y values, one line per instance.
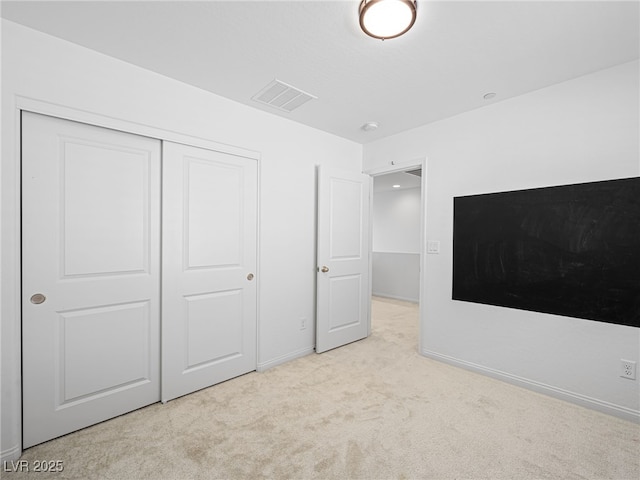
628	369
303	323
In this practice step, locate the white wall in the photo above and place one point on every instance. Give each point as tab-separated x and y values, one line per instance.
396	275
44	68
396	244
581	130
396	221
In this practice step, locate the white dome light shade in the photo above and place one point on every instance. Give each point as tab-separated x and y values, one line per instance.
387	18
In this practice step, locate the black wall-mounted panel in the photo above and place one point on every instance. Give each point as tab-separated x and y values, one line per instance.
571	250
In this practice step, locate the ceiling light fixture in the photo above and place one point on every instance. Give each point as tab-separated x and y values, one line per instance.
387	18
396	186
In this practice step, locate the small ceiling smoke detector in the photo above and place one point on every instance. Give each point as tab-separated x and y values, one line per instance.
370	126
489	96
282	96
385	19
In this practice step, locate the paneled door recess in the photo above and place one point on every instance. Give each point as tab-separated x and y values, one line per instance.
90	275
343	289
93	272
209	267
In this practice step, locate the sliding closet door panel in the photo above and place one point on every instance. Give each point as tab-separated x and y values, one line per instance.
209	264
91	275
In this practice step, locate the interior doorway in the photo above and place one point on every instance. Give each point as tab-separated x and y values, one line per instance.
397	234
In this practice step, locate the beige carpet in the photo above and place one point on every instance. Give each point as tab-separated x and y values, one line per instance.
374	409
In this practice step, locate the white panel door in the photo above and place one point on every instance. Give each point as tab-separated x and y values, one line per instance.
91	275
209	263
343	289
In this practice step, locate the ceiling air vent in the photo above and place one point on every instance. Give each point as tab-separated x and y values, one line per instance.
282	96
417	172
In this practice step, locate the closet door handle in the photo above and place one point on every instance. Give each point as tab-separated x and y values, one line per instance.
324	269
37	298
250	277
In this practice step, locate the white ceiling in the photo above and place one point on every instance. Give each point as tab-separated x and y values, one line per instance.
456	52
385	183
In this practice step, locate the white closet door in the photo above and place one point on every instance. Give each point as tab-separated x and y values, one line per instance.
209	266
91	275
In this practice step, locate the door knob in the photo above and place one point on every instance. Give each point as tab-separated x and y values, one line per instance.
250	277
37	298
324	269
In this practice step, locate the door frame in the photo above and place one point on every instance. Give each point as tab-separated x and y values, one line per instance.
11	306
402	166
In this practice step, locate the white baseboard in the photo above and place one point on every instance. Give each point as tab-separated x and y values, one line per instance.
11	454
576	398
395	297
284	358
